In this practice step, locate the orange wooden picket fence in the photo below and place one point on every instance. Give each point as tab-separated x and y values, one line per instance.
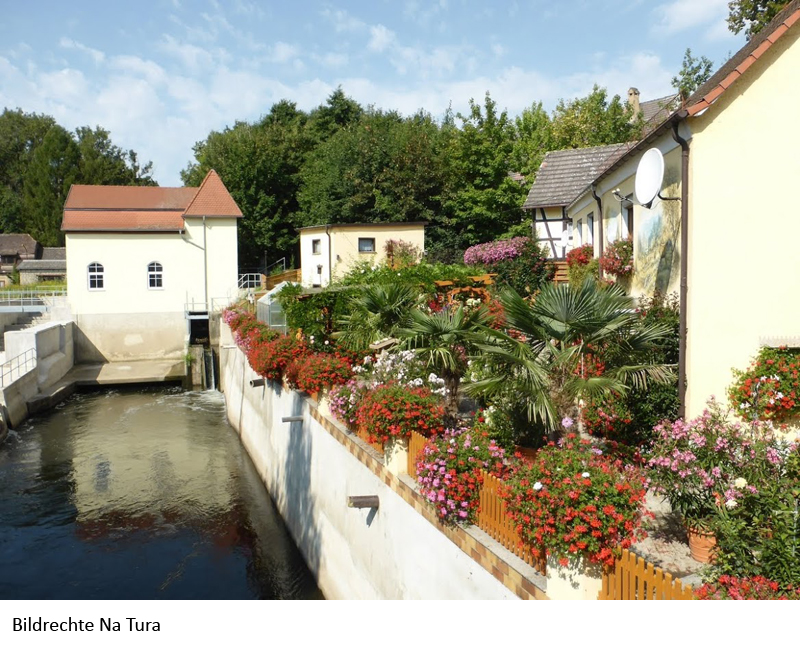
634	579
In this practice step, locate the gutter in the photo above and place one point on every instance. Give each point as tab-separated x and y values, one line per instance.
684	282
593	189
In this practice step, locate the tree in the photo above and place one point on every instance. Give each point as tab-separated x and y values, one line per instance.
533	139
752	15
693	74
53	169
546	365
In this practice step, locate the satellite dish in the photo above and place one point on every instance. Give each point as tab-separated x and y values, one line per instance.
649	177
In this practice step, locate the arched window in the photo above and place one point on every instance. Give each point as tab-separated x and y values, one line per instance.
155	276
96	277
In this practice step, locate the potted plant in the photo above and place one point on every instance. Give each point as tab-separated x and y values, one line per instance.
696	465
576	504
617	258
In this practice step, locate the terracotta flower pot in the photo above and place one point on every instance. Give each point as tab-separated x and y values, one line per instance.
701	544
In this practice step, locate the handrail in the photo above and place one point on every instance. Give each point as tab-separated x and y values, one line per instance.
19	364
30	297
250	281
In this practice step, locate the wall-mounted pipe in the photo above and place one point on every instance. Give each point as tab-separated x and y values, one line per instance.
255	383
292	418
599	224
684	280
371	501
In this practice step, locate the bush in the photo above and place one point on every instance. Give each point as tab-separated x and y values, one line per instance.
575	501
392	410
449	472
318	371
769	388
578	274
519	263
580	256
344	401
727	587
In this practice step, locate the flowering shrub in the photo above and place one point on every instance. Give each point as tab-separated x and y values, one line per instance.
608	417
248	332
574	500
318	371
754	588
769	388
404	368
580	256
495	251
392	410
449	472
617	258
401	253
345	399
270	359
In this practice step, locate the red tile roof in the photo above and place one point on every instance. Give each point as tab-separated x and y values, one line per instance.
122	220
105	208
212	200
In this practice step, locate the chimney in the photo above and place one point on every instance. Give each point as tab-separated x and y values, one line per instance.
633	102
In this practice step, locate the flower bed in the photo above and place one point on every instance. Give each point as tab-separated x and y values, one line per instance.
392	410
449	472
319	371
573	501
755	588
769	388
495	251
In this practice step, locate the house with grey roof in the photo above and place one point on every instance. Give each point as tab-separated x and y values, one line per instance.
14	248
52	266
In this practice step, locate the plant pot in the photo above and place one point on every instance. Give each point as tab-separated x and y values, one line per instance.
579	580
701	544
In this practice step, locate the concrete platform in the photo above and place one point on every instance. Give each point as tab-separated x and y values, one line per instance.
107	374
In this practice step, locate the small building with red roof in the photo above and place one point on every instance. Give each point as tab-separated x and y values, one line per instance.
144	261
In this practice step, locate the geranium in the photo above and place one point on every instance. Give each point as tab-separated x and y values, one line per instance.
345	399
318	371
769	388
617	258
270	359
449	472
575	501
727	587
393	410
580	256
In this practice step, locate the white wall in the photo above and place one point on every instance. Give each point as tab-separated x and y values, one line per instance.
309	261
391	553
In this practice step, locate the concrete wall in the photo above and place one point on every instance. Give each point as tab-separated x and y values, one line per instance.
744	267
14	397
53	346
130	337
344	248
393	552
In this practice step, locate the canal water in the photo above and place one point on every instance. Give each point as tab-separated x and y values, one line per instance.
140	493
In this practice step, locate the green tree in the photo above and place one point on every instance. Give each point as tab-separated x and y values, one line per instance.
545	365
752	15
693	74
533	139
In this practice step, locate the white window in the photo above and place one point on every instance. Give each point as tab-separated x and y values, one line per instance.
590	228
580	232
366	244
155	276
96	282
316	246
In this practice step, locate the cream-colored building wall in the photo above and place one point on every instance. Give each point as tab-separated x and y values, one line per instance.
311	273
581	233
344	242
744	266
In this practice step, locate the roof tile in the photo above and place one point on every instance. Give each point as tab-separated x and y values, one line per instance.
122	220
120	197
213	199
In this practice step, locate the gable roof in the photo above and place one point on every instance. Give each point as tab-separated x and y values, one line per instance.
659	109
54	253
17	243
564	174
118	208
54	266
712	89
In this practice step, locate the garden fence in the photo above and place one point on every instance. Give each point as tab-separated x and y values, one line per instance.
634	579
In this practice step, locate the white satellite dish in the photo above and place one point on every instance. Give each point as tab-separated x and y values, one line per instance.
649	177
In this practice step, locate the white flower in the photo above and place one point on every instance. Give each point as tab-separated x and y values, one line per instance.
740	483
537	486
585	475
731	503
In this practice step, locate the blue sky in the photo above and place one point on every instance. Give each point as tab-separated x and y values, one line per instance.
160	75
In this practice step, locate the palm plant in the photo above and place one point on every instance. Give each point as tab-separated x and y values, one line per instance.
444	341
375	313
572	343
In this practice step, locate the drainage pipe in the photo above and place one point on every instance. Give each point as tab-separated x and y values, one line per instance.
599	225
684	282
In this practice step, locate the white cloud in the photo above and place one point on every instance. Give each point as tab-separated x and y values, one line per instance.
499	50
343	21
97	56
680	15
332	59
380	38
283	52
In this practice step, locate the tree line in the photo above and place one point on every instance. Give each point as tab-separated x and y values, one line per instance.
40	160
345	163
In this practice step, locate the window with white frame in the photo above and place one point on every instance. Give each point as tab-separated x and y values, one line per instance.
590	228
155	276
96	279
316	246
366	244
580	232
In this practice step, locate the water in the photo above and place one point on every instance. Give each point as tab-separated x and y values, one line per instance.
140	493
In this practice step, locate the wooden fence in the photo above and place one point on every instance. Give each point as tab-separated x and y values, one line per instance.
271	281
630	579
634	579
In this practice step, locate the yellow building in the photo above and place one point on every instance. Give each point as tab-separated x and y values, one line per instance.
330	251
728	243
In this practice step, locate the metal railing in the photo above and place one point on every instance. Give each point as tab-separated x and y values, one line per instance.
25	297
14	368
216	304
250	281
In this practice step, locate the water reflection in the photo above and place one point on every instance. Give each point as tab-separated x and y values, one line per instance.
140	493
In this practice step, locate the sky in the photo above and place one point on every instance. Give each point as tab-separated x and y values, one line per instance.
161	74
